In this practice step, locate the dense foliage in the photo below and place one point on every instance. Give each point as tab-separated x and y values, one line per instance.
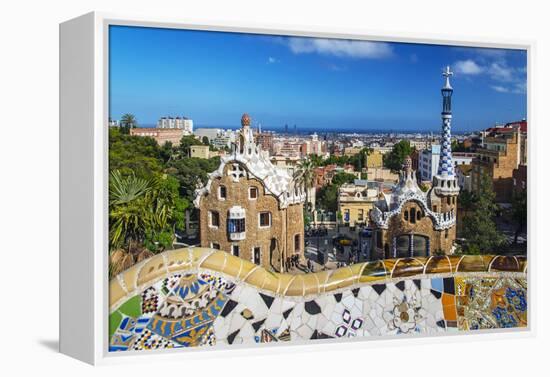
328	195
359	160
480	230
151	187
394	159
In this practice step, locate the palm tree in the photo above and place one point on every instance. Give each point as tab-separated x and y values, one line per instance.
127	122
128	208
305	176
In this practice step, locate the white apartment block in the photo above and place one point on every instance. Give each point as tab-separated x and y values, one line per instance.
428	161
183	123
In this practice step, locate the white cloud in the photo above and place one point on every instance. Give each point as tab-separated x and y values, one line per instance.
501	72
468	67
272	60
500	89
340	48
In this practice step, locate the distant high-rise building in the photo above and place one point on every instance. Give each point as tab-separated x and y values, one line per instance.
181	123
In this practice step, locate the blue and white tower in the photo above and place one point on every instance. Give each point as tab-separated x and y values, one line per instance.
445	182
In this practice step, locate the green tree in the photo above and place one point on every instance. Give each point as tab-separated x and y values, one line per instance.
185	144
480	231
136	155
341	178
458	146
191	173
519	213
328	197
394	160
127	122
144	212
305	177
128	221
316	160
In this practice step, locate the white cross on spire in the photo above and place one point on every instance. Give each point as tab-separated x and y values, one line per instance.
447	73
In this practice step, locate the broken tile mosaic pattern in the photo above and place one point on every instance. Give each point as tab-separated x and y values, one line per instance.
174	301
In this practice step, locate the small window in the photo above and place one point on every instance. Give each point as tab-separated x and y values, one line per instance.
446	233
413	215
434	208
235	250
418	215
265	219
222	193
406	215
214	219
257	255
253	193
215	245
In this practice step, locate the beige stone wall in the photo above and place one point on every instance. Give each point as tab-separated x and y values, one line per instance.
161	135
284	223
200	151
294	226
375	160
501	171
354	208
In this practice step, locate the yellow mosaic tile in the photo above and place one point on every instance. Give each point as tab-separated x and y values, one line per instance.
373	271
215	261
438	264
153	268
340	278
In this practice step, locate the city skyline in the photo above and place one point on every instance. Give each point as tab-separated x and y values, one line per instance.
212	77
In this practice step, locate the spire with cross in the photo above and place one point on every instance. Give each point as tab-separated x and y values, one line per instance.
447	73
446	168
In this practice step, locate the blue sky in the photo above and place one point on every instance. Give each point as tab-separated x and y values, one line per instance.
317	84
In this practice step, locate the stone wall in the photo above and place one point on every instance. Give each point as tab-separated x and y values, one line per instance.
284	222
440	240
202	297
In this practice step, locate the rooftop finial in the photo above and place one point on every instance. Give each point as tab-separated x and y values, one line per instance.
447	73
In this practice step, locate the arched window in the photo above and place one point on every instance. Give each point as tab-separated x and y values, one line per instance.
413	215
420	246
402	246
418	215
406	215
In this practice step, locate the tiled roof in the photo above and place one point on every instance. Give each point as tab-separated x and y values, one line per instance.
277	181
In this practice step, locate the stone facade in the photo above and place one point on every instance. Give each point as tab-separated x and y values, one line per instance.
251	208
356	200
375	160
200	151
498	159
161	135
409	222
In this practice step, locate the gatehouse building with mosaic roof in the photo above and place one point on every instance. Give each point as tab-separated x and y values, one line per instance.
409	222
251	208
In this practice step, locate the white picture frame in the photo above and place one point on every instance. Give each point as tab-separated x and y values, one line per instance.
84	181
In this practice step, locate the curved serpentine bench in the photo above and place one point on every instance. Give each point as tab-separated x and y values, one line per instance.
147	272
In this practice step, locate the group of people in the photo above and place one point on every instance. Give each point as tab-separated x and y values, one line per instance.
292	262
